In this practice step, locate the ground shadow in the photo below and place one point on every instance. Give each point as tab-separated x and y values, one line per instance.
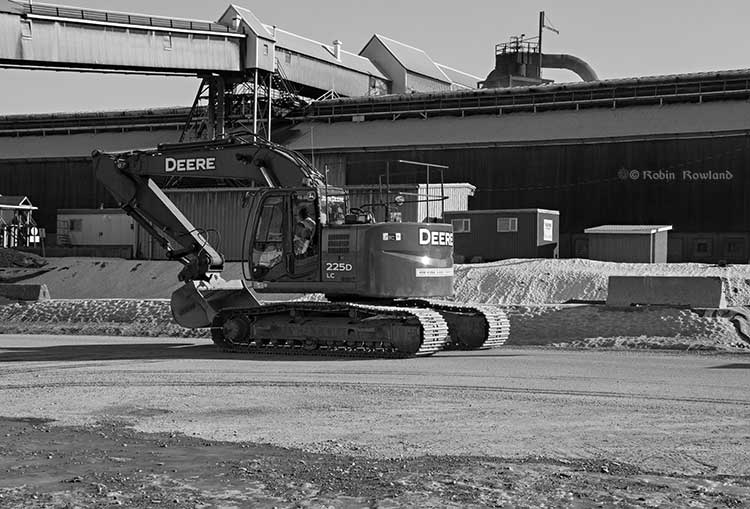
151	351
736	365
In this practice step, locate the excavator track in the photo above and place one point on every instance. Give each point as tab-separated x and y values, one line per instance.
471	326
331	329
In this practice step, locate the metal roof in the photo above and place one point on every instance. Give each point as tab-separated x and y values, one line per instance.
504	211
630	229
253	22
459	77
318	50
412	59
82	212
16	202
666	79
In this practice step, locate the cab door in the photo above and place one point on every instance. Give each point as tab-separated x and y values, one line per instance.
306	236
274	252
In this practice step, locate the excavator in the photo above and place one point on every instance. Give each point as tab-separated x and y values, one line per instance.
387	285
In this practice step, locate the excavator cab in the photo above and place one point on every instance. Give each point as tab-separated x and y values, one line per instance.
284	237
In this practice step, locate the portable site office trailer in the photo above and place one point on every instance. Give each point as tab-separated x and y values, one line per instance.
96	228
488	235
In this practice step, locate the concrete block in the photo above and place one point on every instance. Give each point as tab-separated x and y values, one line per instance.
692	291
24	292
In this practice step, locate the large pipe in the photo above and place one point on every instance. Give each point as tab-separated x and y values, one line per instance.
522	68
571	63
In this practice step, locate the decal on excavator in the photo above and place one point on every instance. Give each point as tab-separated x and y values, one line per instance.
192	164
435	272
434	238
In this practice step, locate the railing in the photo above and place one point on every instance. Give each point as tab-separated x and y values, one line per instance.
617	93
15	235
121	17
518	45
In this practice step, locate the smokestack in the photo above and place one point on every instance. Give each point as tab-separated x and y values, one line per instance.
236	23
337	49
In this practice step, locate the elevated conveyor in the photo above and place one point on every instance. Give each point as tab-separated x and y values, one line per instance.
45	36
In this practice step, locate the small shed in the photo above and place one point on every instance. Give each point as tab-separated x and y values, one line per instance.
488	235
641	243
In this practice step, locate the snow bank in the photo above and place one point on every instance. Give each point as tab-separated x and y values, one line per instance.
529	282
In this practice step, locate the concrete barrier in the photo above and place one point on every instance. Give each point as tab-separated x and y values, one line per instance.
24	292
692	291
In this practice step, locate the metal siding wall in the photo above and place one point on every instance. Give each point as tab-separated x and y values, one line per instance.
583	181
52	185
420	83
661	240
457	199
60	42
219	210
325	76
620	248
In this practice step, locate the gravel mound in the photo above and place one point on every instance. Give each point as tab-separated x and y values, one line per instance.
587	326
533	282
13	258
110	317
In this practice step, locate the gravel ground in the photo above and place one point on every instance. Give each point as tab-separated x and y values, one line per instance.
178	424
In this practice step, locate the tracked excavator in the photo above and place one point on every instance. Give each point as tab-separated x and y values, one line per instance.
387	285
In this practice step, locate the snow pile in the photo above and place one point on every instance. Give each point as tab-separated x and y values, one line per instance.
529	282
599	326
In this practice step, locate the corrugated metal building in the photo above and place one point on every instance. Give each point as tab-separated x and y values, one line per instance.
411	69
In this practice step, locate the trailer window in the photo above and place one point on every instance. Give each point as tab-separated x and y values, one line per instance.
461	225
507	224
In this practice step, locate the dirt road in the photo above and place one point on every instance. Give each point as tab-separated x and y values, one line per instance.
172	422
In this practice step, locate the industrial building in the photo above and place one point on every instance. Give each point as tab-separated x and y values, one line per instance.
651	150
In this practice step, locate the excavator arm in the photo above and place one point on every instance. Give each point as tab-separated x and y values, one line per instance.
131	177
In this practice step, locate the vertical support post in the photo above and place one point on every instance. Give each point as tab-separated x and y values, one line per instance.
221	97
212	108
541	26
255	102
427	191
387	192
442	193
270	109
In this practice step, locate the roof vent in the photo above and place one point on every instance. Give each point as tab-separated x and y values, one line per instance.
337	49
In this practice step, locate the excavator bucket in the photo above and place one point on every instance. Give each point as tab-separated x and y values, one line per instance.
194	307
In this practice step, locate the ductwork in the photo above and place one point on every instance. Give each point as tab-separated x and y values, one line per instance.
522	68
571	63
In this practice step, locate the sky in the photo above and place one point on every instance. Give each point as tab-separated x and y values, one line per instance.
618	39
